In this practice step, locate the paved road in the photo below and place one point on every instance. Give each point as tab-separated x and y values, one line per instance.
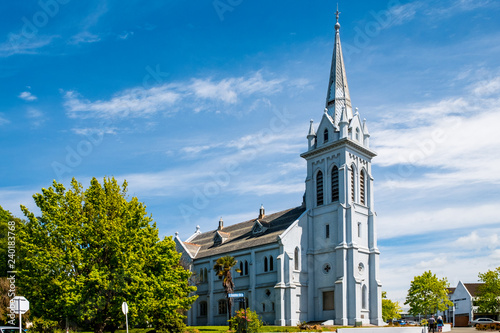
464	329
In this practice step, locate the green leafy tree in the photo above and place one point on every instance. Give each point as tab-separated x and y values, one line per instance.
428	294
222	268
488	300
91	250
390	309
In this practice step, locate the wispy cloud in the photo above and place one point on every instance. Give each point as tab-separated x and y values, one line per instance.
27	96
3	120
35	116
168	97
18	44
438	134
84	37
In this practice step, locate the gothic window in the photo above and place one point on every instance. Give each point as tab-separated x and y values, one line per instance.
319	188
328	300
362	187
296	259
272	306
357	134
359	229
353	184
325	136
205	275
201	275
335	184
246	267
222	306
327	231
203	309
263	307
241	268
268	293
271	264
364	297
265	264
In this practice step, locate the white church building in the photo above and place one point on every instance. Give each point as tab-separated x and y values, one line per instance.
315	262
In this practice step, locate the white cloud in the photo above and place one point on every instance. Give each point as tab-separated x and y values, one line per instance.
84	37
439	135
3	120
27	96
446	218
478	241
168	97
19	44
35	116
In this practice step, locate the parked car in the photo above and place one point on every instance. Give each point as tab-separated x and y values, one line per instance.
485	321
412	323
9	329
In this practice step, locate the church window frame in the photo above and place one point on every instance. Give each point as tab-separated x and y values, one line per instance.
358	134
327	231
265	265
335	184
364	297
328	300
296	258
325	135
319	188
362	187
354	185
222	305
203	309
241	268
271	264
246	267
360	228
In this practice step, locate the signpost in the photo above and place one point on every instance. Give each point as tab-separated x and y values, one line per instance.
125	312
21	306
241	296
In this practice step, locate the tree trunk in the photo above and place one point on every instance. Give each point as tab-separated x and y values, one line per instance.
99	328
229	310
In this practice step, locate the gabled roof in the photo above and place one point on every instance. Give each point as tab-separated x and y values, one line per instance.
472	288
241	236
451	290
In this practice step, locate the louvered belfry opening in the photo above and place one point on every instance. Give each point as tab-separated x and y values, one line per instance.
319	188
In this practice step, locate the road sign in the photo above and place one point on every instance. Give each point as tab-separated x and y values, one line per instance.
124	308
21	304
239	295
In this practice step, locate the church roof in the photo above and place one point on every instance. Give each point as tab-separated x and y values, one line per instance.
338	95
241	235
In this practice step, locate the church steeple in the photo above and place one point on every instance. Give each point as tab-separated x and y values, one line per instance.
338	92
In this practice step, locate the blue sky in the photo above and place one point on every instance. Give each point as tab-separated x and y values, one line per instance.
204	109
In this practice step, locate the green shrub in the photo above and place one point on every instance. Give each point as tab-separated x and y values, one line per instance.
248	322
44	325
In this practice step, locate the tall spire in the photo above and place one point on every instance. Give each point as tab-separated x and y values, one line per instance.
338	92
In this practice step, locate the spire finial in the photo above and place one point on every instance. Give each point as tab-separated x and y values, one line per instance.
337	25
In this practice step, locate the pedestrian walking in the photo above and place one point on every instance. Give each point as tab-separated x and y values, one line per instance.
432	324
440	324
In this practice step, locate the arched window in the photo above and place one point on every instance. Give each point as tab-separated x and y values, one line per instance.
335	184
325	136
201	275
319	188
271	264
359	229
205	275
296	259
246	267
364	297
241	268
353	184
357	133
203	309
265	264
362	187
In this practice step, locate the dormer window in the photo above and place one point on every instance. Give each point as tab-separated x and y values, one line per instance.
220	237
325	136
258	228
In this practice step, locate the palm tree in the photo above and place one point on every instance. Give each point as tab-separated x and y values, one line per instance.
222	269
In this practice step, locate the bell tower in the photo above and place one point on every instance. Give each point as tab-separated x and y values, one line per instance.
342	241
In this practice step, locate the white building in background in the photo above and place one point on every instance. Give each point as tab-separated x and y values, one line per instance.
315	262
